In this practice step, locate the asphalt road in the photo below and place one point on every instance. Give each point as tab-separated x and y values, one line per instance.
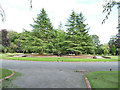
54	74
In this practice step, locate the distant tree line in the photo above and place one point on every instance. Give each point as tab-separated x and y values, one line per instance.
44	39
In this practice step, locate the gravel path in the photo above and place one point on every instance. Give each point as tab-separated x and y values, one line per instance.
54	74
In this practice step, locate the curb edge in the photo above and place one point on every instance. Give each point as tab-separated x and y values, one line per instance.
7	77
88	83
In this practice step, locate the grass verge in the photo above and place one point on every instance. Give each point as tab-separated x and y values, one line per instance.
4	56
4	73
7	83
114	57
103	79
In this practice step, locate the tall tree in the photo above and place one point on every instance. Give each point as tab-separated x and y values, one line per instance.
5	40
96	43
77	33
105	49
12	36
42	25
112	41
96	40
43	30
59	47
32	44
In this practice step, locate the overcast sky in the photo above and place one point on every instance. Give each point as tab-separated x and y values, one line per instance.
19	15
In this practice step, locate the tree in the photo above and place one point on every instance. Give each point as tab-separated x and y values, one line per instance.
42	25
43	30
113	50
59	47
2	12
96	40
5	40
96	43
99	49
112	41
107	7
12	36
106	49
77	34
60	27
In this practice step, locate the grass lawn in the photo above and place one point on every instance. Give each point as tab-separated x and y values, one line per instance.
114	57
4	73
7	82
103	79
53	59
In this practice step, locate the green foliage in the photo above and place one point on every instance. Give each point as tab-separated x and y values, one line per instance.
96	40
107	7
43	34
113	49
59	43
113	40
118	51
42	26
4	39
44	39
56	58
77	33
106	49
5	72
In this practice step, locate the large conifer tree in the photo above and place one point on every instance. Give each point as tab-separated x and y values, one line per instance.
43	30
42	25
77	31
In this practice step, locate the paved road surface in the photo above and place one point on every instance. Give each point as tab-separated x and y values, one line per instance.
54	74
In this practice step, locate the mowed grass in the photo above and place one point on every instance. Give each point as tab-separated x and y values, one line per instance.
103	79
4	73
64	59
114	57
7	83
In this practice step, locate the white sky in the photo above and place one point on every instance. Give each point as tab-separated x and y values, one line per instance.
19	15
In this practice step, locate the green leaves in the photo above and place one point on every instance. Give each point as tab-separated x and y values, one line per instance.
107	8
113	50
44	39
77	33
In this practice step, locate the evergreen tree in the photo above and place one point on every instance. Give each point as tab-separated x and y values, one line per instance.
42	26
77	33
43	30
59	42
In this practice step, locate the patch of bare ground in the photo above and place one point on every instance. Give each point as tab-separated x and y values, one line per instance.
80	56
37	55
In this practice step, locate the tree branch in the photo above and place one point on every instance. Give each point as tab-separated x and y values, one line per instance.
108	8
2	13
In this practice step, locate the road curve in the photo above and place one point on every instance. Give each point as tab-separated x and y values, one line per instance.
53	74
